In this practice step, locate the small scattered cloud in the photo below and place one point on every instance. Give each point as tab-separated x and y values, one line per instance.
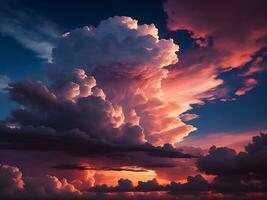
256	67
248	85
188	117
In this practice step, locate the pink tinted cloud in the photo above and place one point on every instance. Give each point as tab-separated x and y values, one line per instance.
235	140
248	85
193	78
10	180
14	183
237	32
131	58
253	70
188	117
256	67
226	36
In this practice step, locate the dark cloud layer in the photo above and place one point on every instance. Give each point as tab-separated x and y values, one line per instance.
75	143
245	171
224	161
234	173
92	114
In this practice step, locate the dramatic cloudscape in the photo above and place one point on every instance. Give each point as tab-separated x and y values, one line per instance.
133	100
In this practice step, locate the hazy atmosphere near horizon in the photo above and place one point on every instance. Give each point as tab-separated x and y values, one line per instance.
133	100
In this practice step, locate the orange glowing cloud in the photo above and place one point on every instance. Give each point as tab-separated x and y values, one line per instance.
253	70
236	39
137	74
193	79
111	177
257	66
222	43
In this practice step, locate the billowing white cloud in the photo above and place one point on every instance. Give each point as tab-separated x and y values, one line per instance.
128	61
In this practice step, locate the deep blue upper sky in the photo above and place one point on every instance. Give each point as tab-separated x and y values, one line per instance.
249	112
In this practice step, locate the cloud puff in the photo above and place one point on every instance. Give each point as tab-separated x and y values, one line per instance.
219	159
253	70
124	185
49	186
249	85
194	184
256	67
237	169
13	183
10	180
114	42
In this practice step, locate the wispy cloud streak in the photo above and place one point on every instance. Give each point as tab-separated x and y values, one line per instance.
4	81
33	31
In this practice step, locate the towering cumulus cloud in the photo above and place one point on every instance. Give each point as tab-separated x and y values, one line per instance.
103	98
127	60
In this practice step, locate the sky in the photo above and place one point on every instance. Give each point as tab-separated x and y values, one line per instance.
133	99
